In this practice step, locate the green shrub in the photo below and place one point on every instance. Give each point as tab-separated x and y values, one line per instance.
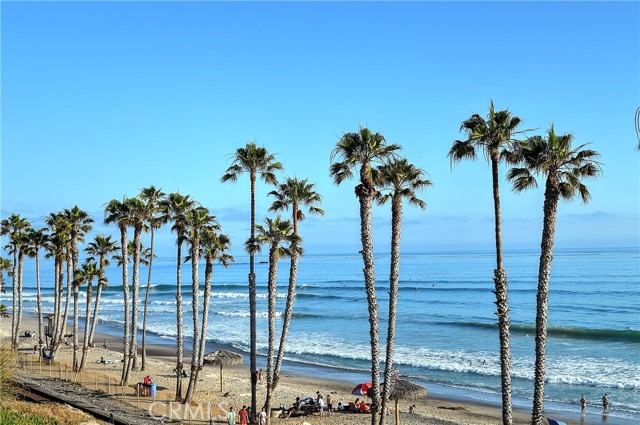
11	417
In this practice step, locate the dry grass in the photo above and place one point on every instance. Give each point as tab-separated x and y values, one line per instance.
63	413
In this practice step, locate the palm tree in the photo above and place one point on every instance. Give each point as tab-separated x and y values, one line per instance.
402	179
15	226
57	248
364	149
564	168
275	232
197	220
79	224
37	240
156	218
255	161
212	247
117	212
101	247
293	193
491	135
89	271
175	206
138	213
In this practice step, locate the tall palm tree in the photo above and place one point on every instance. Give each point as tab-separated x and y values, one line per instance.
57	248
175	206
89	271
37	240
117	212
79	224
197	220
402	180
490	135
213	247
254	161
15	226
102	247
364	149
155	219
138	214
564	168
294	194
274	233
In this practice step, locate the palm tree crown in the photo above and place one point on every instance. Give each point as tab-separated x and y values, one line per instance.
292	194
403	179
360	149
554	158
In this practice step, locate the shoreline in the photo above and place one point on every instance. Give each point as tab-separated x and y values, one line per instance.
444	405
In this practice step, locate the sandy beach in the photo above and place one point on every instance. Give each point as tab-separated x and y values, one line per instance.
237	390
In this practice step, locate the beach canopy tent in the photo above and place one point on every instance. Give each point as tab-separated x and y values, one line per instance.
362	389
555	422
222	358
402	389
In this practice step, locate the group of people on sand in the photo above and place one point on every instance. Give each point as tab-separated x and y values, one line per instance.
243	415
605	404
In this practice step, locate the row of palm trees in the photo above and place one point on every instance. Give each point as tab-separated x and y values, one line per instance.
383	176
499	139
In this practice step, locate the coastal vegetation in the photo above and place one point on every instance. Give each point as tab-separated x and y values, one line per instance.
383	176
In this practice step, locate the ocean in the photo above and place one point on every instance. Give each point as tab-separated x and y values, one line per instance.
446	331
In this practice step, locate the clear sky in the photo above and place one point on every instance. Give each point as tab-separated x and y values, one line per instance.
101	99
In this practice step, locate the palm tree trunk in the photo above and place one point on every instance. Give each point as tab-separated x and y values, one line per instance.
39	301
273	277
75	327
394	273
94	319
288	310
125	295
208	272
14	300
551	197
20	280
136	290
62	315
366	236
56	304
253	336
85	344
143	366
179	314
502	301
195	291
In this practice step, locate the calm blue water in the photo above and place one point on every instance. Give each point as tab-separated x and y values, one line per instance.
446	333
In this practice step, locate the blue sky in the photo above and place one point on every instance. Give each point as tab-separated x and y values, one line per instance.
102	99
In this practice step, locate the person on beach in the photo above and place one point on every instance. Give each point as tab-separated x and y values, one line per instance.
104	344
294	409
260	376
244	416
321	405
605	403
263	417
583	405
329	405
231	416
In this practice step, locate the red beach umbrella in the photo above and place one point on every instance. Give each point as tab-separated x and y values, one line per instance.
362	389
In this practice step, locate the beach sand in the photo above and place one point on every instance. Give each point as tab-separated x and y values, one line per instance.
237	389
